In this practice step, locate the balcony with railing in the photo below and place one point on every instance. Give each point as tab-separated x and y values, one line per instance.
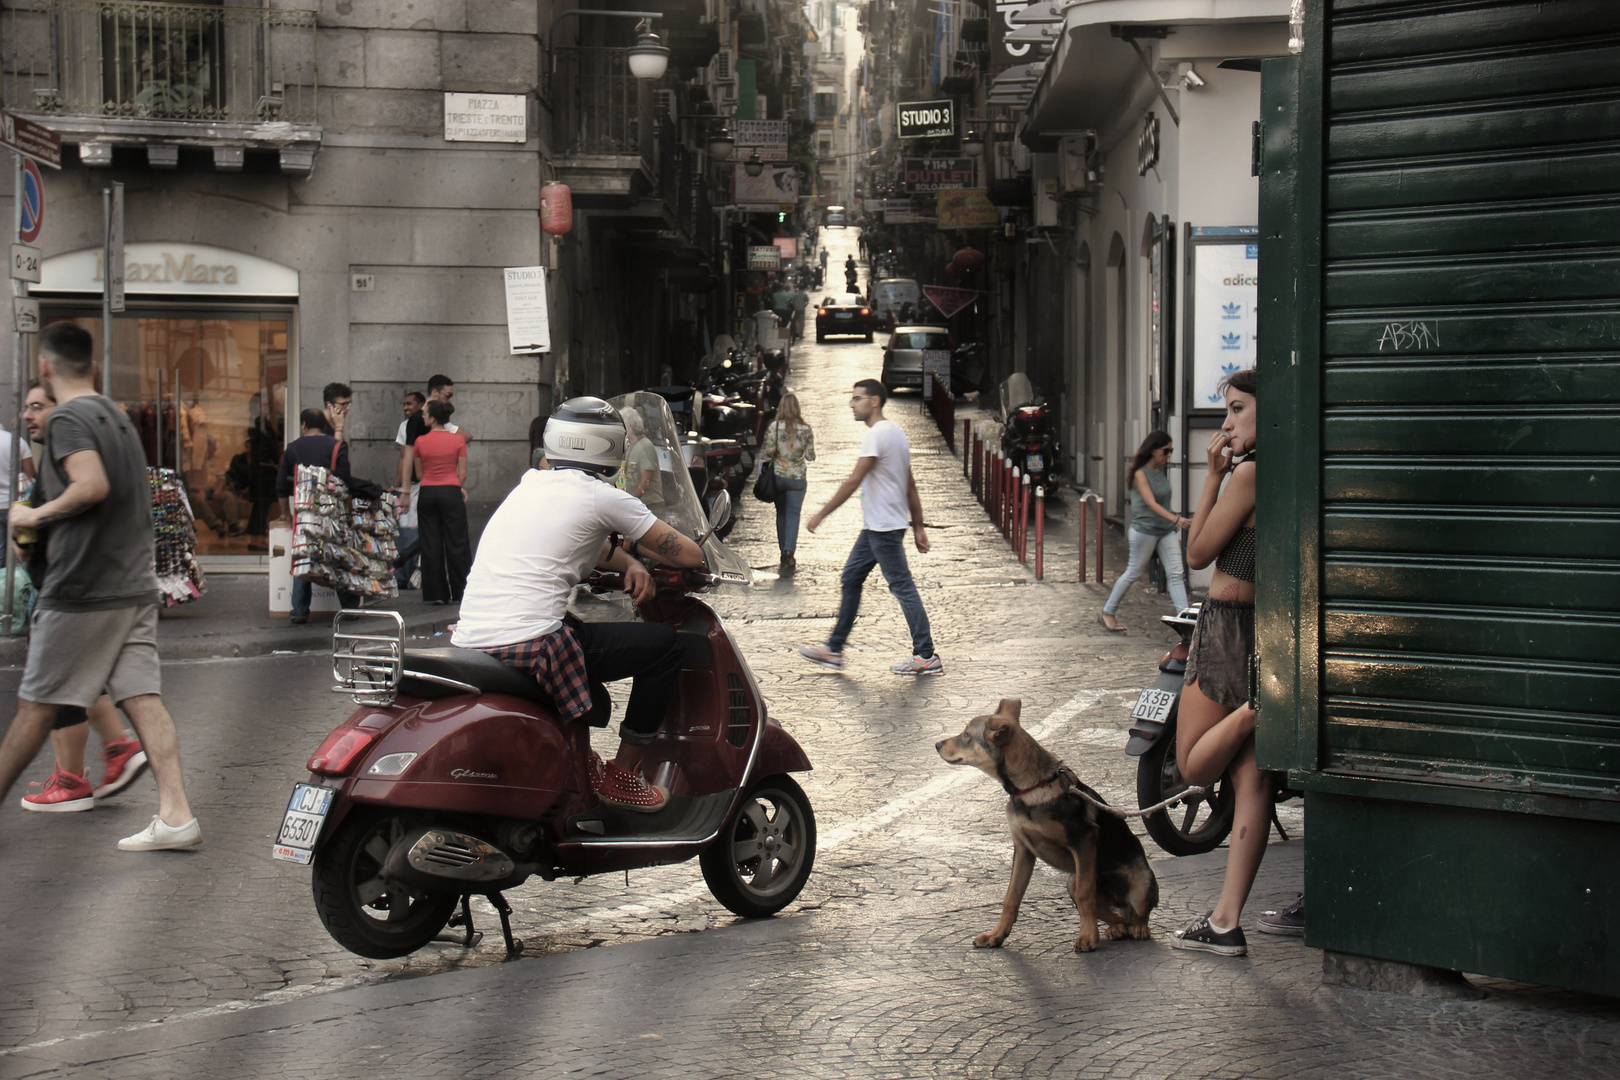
108	73
603	127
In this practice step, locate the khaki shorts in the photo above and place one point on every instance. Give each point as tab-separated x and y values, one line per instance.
76	656
1222	651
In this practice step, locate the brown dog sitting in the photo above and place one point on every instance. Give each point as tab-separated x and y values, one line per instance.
1050	819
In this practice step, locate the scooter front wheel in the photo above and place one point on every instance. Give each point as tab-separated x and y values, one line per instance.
365	912
763	856
1188	828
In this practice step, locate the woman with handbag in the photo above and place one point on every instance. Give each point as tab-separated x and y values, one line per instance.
789	443
441	457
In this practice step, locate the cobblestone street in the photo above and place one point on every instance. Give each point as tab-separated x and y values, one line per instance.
214	963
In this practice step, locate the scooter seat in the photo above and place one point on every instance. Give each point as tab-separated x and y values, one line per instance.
467	666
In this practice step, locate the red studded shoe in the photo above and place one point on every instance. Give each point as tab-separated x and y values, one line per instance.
626	790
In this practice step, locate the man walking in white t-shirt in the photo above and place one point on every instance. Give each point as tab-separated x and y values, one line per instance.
889	502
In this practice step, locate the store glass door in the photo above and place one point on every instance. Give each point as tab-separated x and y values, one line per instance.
207	391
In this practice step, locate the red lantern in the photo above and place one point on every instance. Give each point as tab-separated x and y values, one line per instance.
969	259
954	272
556	209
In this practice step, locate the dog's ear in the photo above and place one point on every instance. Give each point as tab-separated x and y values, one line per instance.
998	729
1009	708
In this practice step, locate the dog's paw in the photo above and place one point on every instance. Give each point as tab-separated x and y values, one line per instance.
1087	941
989	941
1141	931
1118	932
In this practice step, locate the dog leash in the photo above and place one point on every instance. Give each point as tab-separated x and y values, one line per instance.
1064	773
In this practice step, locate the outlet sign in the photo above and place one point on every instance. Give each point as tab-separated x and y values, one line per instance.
926	119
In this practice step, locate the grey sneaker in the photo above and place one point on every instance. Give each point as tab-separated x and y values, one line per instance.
1289	922
1202	937
161	836
918	666
820	654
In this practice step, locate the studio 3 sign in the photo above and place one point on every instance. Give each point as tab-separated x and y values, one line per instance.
926	119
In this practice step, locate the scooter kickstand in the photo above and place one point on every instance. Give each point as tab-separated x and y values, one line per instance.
460	918
514	946
1277	821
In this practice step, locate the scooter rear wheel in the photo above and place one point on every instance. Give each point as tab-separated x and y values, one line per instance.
1189	828
762	858
364	912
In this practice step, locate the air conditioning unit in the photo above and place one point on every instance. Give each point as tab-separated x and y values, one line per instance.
1073	160
666	102
722	67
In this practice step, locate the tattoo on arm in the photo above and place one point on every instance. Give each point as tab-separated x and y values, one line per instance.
669	543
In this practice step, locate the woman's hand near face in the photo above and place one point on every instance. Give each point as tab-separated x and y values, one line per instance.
1219	460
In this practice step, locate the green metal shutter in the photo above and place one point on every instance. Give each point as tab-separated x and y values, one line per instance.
1451	341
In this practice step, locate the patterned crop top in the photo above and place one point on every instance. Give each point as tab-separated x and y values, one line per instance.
1237	557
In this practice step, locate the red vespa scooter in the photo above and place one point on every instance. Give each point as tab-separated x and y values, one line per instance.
455	777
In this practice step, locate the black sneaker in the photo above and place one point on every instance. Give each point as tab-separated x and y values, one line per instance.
1202	937
1289	922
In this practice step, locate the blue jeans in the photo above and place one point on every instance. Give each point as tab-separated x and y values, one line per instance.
789	503
887	550
304	591
1142	547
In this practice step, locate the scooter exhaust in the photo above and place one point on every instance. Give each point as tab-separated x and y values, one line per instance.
433	856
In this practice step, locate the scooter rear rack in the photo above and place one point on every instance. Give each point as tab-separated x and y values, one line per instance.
368	655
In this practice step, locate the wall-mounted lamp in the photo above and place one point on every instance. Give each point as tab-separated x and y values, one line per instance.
973	144
649	56
721	144
753	166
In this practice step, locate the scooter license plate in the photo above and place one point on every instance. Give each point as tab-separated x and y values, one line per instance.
306	813
1036	462
1154	704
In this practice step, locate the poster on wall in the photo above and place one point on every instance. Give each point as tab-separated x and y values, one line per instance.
775	188
528	323
1226	282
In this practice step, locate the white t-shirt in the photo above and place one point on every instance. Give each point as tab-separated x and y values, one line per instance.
543	540
5	467
884	502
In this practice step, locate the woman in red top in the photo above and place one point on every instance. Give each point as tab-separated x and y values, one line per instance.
440	460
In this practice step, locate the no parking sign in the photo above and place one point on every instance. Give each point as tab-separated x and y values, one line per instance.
33	202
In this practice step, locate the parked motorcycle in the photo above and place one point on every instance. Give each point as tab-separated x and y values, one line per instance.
1029	431
1201	822
455	777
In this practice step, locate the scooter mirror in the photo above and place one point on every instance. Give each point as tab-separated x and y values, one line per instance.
719	514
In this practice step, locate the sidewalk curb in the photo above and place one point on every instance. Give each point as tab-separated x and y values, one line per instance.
301	639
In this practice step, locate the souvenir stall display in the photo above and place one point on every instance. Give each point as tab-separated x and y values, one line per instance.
174	539
345	543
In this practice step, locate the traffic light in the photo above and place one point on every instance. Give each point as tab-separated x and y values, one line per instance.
781	216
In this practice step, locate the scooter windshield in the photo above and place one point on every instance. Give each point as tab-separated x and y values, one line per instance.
655	472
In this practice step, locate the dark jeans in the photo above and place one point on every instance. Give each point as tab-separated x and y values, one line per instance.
304	591
789	503
446	551
407	537
888	550
650	653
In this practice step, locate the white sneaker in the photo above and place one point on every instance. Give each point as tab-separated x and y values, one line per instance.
161	836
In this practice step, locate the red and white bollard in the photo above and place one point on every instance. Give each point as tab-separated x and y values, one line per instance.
1023	520
1040	533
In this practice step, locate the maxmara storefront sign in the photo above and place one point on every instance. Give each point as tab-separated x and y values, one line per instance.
168	269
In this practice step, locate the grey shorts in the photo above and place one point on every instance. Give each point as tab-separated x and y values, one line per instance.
1222	651
76	656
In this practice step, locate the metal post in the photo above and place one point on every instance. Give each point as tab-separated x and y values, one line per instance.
1099	540
967	426
1040	533
1009	499
1087	500
18	371
106	299
973	476
1023	521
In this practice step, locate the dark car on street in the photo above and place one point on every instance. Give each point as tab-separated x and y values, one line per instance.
903	356
841	317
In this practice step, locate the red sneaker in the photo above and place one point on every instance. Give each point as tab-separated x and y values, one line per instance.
628	791
63	793
124	762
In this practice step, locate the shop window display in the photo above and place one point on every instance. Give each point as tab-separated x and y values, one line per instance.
207	392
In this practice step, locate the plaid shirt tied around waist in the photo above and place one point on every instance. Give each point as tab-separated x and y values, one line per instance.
557	662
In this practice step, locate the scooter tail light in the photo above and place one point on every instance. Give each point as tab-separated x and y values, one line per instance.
866	311
340	751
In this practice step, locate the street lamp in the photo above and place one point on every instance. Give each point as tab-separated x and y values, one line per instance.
721	144
649	56
973	144
753	166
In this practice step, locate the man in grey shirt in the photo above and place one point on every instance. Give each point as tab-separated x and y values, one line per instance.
95	626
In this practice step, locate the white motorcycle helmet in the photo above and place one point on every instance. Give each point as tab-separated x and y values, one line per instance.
585	433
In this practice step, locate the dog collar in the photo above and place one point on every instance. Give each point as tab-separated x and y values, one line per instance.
1036	787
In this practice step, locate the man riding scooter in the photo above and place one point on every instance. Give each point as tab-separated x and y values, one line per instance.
562	520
